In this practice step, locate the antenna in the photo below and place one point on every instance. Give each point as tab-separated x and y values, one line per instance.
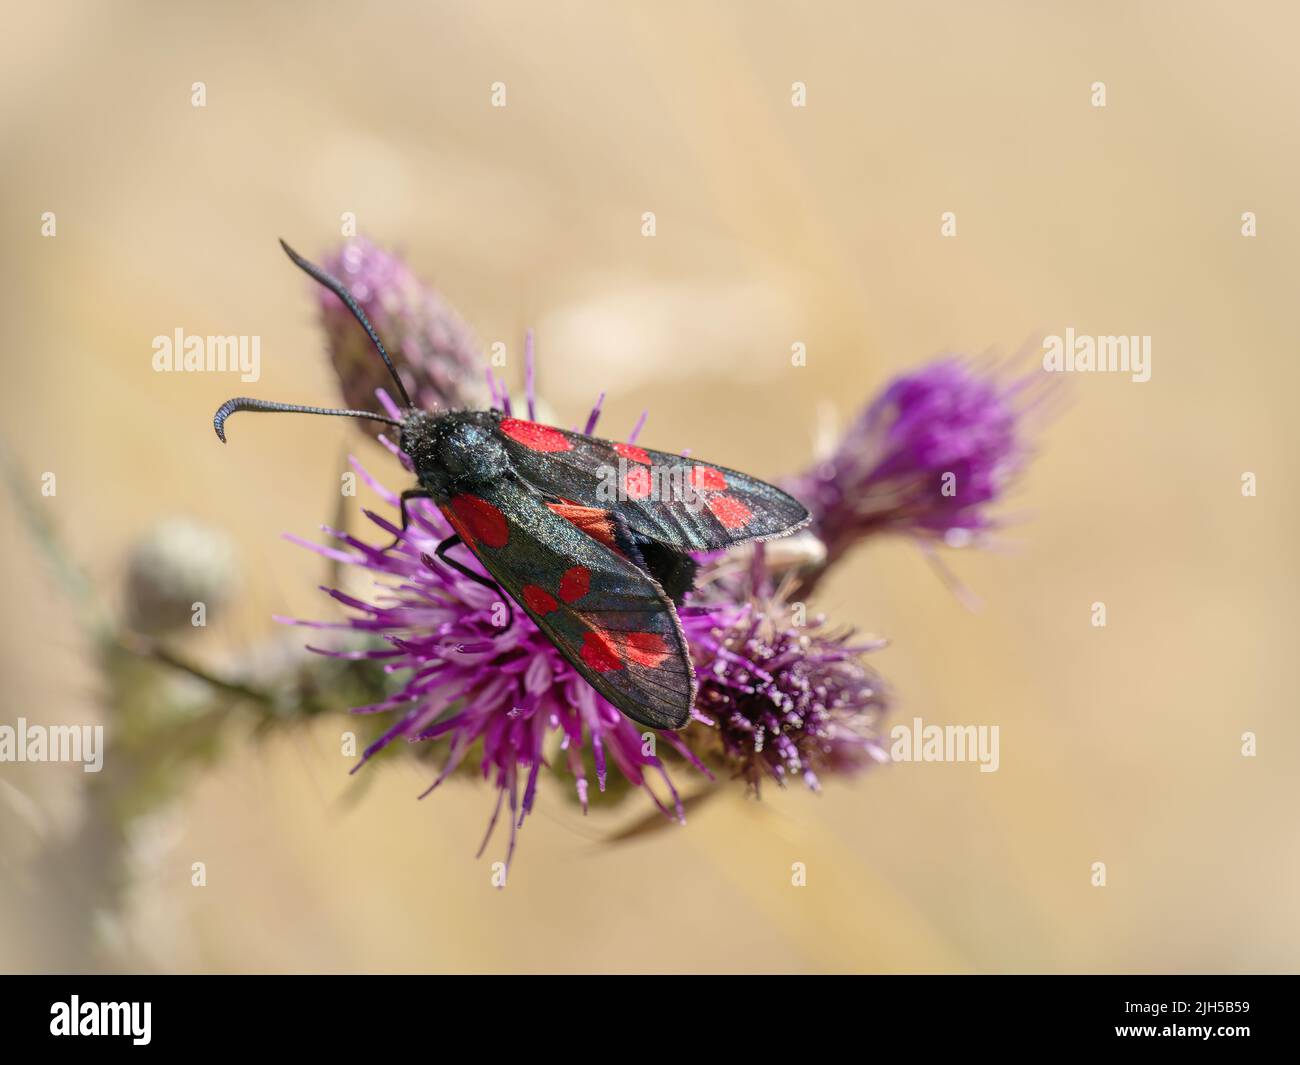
336	286
231	406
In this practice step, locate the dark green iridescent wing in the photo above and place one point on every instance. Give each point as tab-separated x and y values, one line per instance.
609	619
682	502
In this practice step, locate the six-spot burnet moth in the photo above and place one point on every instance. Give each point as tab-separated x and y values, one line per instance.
591	538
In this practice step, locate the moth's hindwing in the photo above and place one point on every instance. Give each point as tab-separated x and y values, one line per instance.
608	618
682	502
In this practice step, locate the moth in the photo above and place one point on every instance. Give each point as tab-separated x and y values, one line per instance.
590	537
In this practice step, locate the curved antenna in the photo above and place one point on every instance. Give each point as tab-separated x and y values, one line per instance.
239	403
336	286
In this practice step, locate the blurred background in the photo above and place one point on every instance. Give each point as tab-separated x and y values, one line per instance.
774	225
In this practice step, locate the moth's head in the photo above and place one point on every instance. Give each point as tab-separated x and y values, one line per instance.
453	452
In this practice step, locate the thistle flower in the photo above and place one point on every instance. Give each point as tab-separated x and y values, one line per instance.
777	699
929	457
785	698
436	354
476	677
175	565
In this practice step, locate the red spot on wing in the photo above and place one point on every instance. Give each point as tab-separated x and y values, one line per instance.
477	519
539	600
591	520
637	482
729	510
645	648
575	583
534	436
599	651
606	651
706	478
633	453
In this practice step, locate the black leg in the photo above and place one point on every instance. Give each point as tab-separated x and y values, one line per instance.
410	493
441	552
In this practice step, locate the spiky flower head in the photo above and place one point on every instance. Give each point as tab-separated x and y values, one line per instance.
931	456
175	566
782	695
478	675
436	354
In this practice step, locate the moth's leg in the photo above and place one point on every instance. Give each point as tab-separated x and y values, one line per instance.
487	582
410	493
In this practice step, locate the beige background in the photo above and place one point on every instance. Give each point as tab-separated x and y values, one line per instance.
775	224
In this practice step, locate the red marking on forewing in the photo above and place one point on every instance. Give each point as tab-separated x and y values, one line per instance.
599	652
591	520
534	436
605	651
637	483
575	583
539	600
479	519
633	453
729	510
645	648
707	478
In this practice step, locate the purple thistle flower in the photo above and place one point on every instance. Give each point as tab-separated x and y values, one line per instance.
473	678
785	700
928	457
781	699
435	352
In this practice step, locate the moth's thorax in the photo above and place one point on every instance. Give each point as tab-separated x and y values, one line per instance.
454	452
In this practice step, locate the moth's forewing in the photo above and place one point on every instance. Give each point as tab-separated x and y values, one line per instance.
611	621
682	502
